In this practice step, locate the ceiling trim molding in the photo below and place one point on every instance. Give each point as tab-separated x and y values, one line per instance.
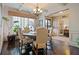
21	14
50	15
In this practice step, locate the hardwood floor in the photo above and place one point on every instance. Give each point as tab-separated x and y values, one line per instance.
74	50
57	46
60	45
13	49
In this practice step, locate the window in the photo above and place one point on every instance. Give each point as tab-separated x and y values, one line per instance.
48	23
22	22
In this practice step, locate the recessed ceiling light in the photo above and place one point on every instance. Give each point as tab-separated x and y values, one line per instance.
61	12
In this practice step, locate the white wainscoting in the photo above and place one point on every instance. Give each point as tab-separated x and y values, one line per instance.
74	39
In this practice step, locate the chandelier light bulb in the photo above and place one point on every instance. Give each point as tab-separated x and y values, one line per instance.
34	10
41	11
38	9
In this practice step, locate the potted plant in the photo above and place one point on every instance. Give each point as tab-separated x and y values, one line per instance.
15	29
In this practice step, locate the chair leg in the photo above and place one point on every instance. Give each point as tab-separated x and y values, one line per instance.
36	49
20	45
46	48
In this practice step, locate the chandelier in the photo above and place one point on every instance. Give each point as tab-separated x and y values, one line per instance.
37	11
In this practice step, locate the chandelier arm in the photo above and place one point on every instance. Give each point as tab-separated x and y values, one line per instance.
37	11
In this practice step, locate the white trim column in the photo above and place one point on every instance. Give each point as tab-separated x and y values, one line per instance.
1	28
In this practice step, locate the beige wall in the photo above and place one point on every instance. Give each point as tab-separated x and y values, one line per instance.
74	25
5	23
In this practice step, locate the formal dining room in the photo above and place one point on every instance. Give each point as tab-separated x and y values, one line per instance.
39	29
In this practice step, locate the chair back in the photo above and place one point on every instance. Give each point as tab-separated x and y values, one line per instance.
20	34
42	37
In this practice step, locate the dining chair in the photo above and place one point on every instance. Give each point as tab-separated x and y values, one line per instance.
41	40
22	41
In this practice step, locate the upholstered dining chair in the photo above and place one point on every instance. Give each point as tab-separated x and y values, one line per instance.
41	39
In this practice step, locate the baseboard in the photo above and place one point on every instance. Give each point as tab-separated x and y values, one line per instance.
74	46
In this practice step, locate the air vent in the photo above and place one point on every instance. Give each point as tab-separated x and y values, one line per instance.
64	4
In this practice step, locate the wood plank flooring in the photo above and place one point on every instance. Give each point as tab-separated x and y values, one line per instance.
57	46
